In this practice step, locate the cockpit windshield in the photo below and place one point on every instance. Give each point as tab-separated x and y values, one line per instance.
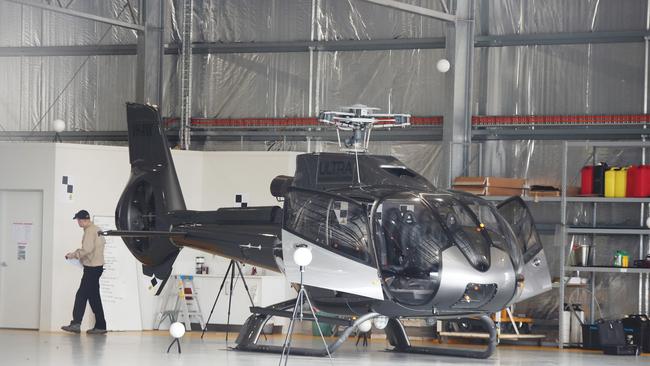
464	228
480	224
497	228
411	231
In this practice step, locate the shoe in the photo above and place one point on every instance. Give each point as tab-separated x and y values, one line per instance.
72	328
96	331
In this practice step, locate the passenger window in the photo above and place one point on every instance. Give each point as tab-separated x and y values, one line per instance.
306	216
337	225
348	230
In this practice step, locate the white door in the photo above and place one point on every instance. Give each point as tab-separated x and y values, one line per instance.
21	214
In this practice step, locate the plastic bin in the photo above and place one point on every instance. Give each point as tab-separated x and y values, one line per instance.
610	182
620	183
587	180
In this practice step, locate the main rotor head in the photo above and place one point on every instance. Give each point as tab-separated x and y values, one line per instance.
361	119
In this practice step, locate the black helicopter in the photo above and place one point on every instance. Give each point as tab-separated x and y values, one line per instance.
386	243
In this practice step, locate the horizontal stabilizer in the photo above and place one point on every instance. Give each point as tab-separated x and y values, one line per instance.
141	233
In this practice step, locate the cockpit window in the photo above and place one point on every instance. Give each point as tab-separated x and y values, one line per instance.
335	224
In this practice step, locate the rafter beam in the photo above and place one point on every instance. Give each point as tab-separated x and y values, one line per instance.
480	41
78	14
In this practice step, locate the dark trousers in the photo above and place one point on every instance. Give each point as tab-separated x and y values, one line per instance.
89	291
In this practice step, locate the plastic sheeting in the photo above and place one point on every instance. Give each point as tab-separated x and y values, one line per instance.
569	79
242	21
242	85
29	26
263	20
526	80
86	92
90	102
554	16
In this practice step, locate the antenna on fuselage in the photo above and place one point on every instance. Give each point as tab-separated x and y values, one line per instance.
361	120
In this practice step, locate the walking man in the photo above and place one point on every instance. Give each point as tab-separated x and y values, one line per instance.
91	256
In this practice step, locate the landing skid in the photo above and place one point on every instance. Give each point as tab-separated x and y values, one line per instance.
252	329
397	338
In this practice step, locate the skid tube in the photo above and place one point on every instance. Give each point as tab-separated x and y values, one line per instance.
252	329
395	333
398	338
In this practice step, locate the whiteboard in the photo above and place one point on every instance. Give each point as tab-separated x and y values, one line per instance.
119	282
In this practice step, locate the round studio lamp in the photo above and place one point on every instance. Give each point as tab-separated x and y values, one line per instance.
177	330
443	65
58	125
365	326
380	322
302	256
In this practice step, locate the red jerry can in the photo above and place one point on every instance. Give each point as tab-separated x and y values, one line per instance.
638	183
631	190
587	180
643	181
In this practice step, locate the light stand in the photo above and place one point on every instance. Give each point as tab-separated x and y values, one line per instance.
177	331
231	271
302	257
178	343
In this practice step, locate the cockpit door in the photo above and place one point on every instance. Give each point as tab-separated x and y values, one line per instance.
535	270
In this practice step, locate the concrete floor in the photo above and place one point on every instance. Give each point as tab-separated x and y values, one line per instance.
19	348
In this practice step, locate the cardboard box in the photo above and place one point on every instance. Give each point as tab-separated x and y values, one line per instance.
490	191
490	186
544	193
490	182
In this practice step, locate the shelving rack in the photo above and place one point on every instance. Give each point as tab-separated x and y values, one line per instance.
567	230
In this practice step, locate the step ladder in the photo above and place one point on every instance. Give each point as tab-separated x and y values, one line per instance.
185	302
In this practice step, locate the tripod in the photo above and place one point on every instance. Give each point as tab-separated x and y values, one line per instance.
302	295
231	271
178	343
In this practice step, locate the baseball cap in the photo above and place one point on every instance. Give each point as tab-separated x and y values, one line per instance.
81	215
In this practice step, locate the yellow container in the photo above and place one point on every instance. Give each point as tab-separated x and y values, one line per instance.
610	182
620	182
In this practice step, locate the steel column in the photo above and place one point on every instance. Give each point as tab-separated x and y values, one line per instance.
457	122
148	87
484	13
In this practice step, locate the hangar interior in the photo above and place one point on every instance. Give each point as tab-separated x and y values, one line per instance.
536	90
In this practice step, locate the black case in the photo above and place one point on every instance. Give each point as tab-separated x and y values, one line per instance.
590	336
599	178
638	326
630	350
612	339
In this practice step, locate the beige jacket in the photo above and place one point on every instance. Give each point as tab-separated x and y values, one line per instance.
91	253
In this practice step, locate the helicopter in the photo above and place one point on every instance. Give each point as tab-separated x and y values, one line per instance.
386	243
